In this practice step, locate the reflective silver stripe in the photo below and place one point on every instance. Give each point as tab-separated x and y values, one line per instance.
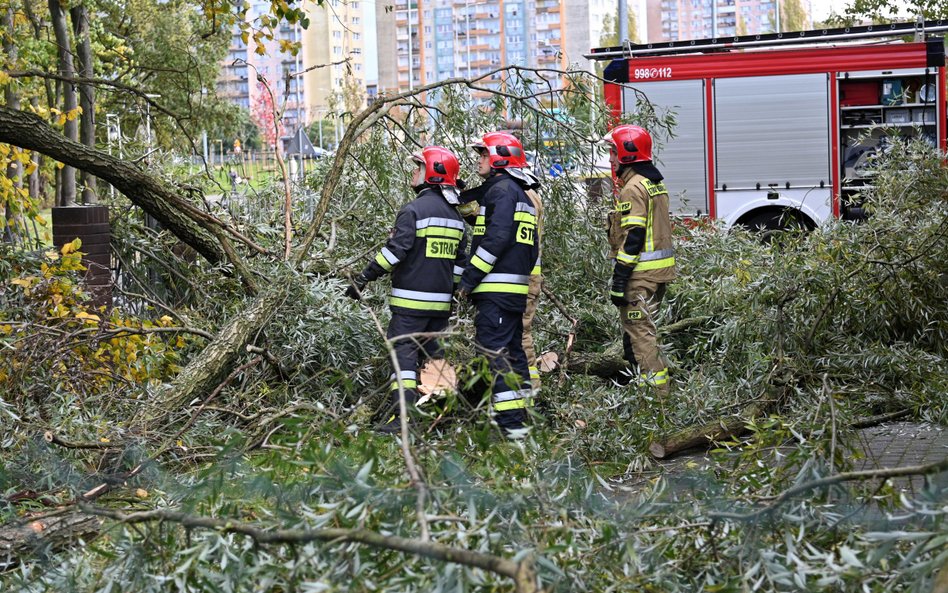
514	151
405	375
389	256
458	270
507	278
436	221
417	295
506	396
524	207
486	255
482	210
653	255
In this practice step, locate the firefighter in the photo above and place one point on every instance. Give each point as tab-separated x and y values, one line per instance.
640	243
425	254
504	252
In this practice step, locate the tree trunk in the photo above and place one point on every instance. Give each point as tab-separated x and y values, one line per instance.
702	436
19	541
205	370
608	364
66	69
14	171
80	24
152	195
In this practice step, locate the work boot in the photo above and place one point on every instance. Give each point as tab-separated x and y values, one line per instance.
392	426
512	423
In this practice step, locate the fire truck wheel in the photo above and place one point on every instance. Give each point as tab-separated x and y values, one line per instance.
771	224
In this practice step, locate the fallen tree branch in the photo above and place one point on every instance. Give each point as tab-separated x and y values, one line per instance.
157	198
50	437
522	573
703	435
50	533
857	476
611	363
202	374
880	418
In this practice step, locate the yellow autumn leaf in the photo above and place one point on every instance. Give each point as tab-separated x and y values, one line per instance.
6	329
24	282
141	493
88	317
51	255
72	246
4	78
165	320
104	440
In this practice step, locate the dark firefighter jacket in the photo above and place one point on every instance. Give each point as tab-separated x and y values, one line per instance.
504	248
425	254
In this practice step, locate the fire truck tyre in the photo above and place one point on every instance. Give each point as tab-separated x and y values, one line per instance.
772	223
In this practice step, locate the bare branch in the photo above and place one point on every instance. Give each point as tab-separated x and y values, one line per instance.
521	572
857	476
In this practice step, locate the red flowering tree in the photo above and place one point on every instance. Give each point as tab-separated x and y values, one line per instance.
264	115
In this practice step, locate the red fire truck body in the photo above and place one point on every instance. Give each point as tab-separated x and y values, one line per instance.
766	134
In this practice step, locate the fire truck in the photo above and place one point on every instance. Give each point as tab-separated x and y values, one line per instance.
780	129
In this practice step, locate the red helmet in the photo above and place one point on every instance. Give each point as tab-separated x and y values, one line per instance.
631	143
441	166
504	150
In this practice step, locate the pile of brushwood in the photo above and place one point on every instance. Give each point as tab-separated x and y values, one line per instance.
212	431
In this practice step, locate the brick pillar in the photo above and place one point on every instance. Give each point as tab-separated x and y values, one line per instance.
91	225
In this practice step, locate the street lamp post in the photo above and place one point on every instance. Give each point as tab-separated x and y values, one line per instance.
113	131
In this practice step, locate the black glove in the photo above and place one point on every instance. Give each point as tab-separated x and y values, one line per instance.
357	283
620	278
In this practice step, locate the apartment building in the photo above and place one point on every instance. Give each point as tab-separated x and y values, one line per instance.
674	20
421	41
334	35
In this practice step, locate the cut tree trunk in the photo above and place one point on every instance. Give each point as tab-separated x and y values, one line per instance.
154	196
25	539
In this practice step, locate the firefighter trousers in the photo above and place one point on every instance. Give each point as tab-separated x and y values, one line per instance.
499	336
639	335
409	349
536	285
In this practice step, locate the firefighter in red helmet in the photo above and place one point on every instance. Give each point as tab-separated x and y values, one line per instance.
425	254
504	253
640	243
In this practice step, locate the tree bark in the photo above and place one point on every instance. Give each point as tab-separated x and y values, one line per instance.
80	24
20	540
14	171
703	435
205	370
152	195
66	69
